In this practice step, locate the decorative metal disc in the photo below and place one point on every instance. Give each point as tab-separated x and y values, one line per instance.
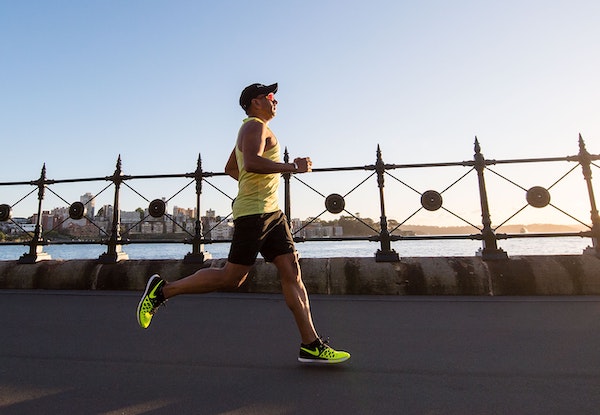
157	208
335	203
431	200
5	213
77	210
538	197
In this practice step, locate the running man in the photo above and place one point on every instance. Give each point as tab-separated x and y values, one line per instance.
259	227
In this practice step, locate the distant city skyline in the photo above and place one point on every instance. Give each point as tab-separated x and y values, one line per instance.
132	216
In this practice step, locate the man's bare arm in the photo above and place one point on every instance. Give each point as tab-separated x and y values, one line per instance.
231	168
252	142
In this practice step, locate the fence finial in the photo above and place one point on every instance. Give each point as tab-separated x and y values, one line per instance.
477	146
581	144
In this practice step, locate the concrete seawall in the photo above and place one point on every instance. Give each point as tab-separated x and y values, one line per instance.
524	275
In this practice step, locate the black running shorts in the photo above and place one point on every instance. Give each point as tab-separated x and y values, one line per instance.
266	233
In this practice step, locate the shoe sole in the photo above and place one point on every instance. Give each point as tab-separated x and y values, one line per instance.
322	361
139	307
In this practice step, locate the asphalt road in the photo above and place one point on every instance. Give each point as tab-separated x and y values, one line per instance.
65	352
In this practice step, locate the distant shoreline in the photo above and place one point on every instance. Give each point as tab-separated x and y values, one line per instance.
458	230
405	230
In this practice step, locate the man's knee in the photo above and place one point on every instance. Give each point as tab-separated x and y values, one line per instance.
288	266
234	275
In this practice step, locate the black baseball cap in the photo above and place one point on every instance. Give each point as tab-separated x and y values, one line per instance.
254	90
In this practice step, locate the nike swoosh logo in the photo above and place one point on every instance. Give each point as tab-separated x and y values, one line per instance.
152	294
315	352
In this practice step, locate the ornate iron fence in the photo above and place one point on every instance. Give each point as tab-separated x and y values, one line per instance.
114	236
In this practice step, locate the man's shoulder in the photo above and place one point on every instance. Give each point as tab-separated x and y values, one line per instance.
254	128
253	124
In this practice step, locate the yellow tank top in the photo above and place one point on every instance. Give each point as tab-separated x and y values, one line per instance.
257	193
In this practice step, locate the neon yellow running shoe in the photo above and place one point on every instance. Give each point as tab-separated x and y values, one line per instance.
151	300
320	352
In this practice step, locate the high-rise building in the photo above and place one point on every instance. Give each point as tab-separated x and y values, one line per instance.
89	202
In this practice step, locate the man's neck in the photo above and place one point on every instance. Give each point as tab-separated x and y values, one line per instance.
265	119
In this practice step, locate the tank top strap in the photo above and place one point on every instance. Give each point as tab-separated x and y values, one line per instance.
255	119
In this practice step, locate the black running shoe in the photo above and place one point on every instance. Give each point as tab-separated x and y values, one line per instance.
151	300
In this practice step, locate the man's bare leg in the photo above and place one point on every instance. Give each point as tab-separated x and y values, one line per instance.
208	280
295	295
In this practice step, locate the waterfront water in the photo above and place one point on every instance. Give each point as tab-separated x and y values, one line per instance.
326	249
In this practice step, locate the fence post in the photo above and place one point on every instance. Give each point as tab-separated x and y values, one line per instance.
286	190
114	251
586	161
386	253
197	256
490	249
36	249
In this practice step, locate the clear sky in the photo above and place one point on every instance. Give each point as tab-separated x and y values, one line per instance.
158	83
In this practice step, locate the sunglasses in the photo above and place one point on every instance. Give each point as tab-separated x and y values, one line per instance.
270	97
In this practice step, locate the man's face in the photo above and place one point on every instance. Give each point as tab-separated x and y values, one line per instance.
267	103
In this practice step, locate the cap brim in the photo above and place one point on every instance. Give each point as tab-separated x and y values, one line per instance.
271	88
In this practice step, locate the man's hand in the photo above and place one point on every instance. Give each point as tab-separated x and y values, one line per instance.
304	164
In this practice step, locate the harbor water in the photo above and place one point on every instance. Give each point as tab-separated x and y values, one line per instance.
321	249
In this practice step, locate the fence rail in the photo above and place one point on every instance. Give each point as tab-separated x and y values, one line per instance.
431	200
